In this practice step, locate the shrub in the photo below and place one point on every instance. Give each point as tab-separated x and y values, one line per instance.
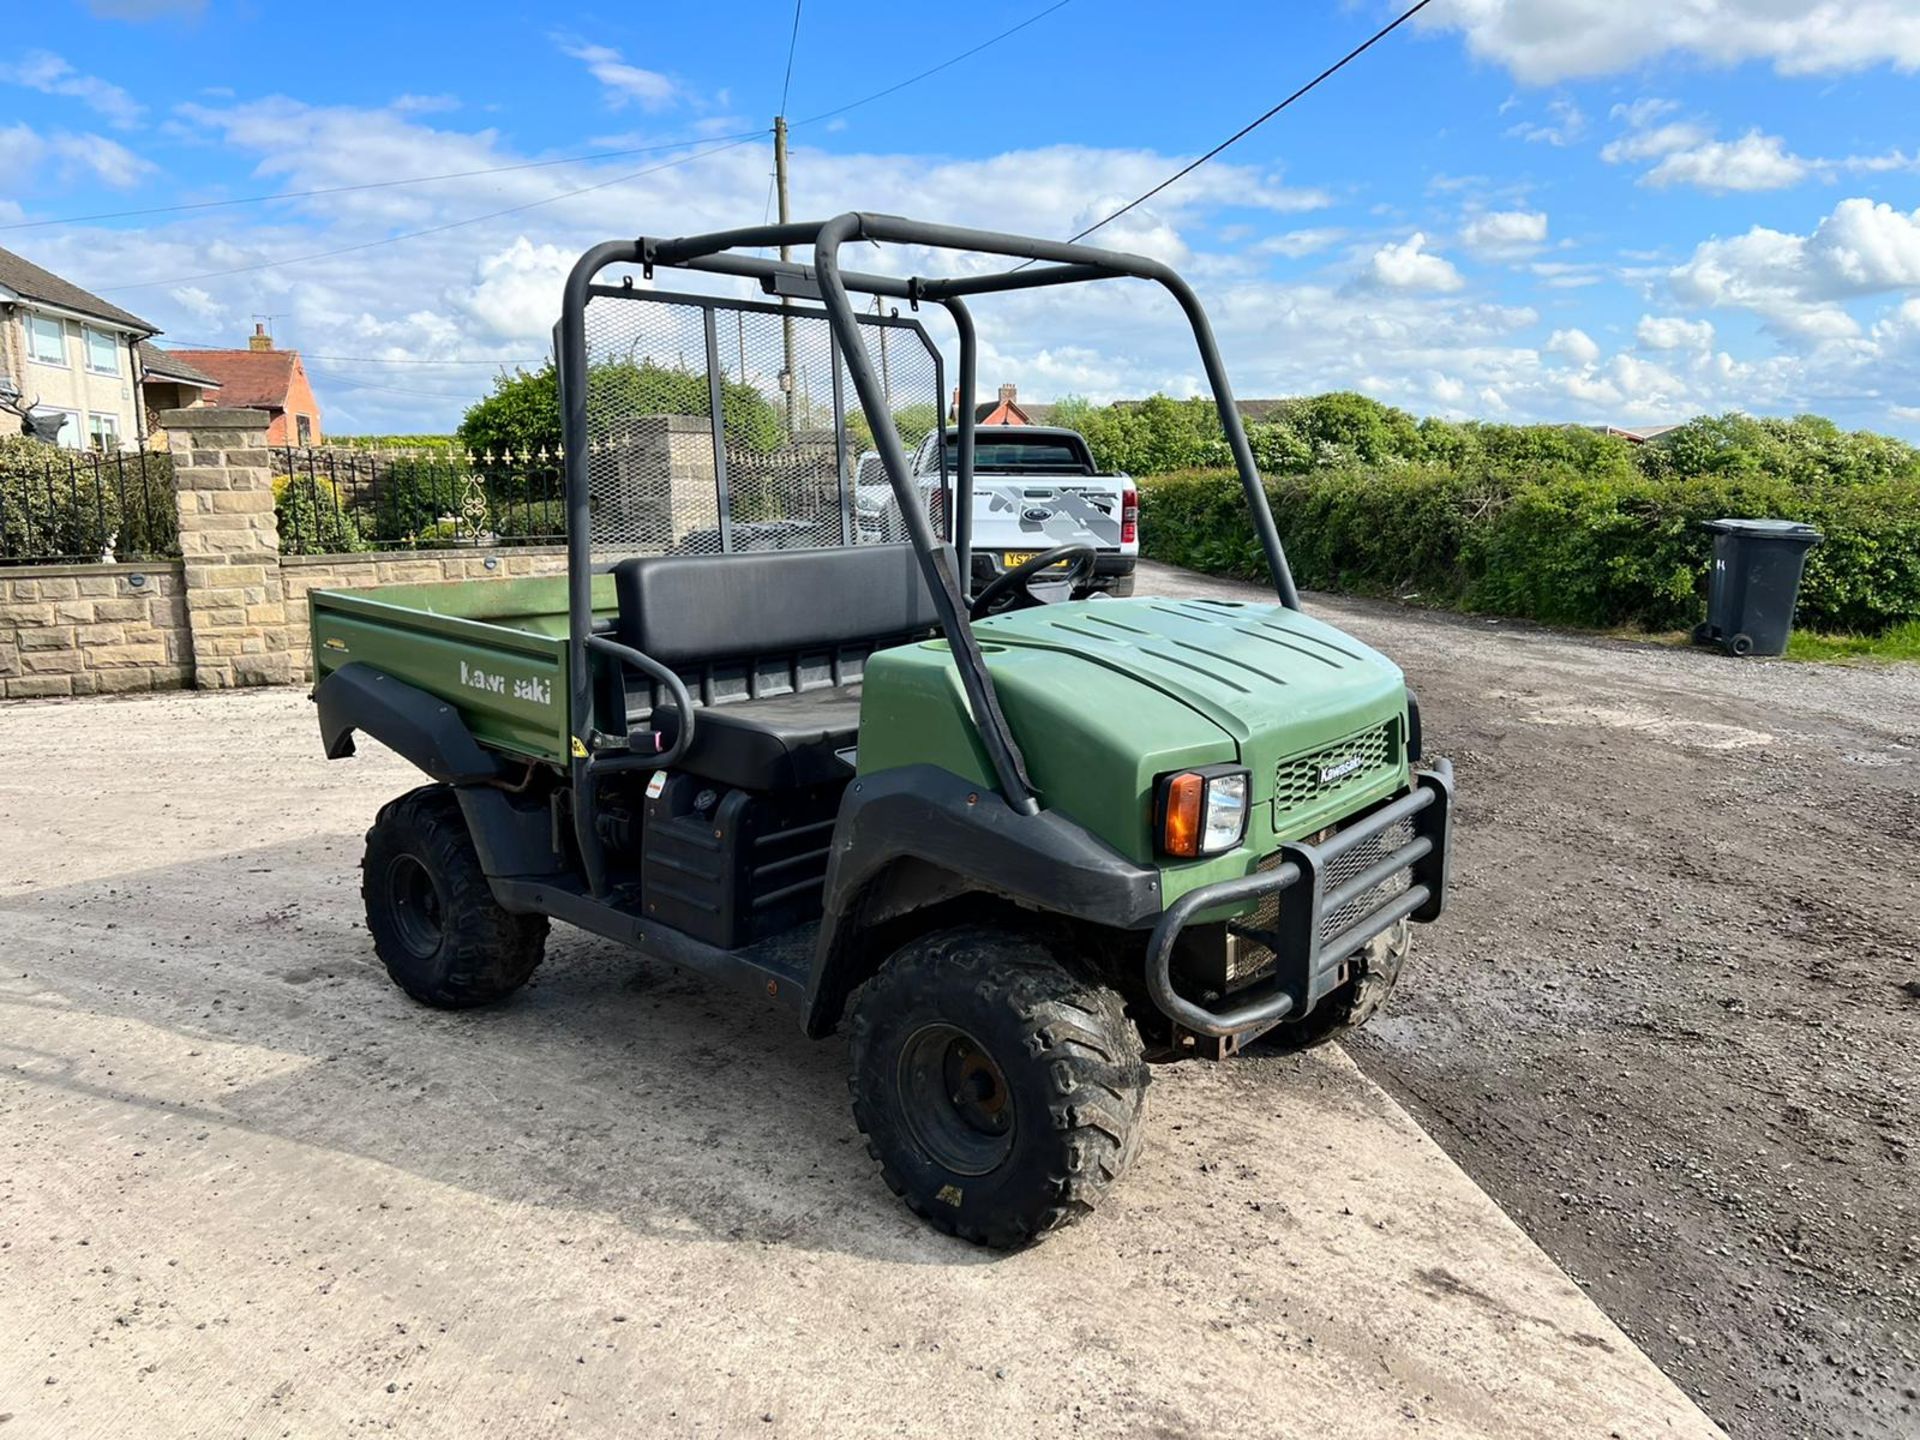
522	416
1562	546
536	522
312	521
66	505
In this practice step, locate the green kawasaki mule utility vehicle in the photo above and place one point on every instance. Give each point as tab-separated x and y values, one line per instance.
1020	849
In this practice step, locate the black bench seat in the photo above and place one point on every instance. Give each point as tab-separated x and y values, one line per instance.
772	646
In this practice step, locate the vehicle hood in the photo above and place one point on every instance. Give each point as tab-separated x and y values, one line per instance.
1278	683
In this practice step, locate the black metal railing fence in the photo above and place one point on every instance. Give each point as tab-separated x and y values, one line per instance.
332	500
60	506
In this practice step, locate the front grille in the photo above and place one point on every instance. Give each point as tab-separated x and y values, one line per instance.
1249	960
1344	765
1343	868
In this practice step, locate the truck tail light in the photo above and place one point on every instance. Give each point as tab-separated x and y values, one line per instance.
1202	812
1129	516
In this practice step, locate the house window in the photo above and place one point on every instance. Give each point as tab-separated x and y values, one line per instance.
103	432
103	356
303	428
46	339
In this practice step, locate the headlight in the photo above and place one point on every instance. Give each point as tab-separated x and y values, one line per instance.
1202	812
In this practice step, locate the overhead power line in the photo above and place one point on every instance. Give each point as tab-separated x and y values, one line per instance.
793	43
593	158
924	74
1253	125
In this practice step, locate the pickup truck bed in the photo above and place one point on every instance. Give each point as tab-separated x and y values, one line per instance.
496	650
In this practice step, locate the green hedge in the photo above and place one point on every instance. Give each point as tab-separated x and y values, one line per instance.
65	505
1562	547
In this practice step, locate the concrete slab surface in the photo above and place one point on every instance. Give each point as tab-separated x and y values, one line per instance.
248	1189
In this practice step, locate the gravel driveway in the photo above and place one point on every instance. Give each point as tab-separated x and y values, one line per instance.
248	1189
1671	1020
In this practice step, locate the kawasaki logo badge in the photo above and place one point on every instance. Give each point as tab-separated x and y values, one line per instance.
1341	769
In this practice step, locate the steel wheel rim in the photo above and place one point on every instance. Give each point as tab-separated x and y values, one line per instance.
956	1100
419	917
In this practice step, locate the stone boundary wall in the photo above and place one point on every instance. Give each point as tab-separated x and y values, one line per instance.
93	629
231	611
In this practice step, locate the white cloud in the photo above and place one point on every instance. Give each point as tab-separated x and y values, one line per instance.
1645	144
21	150
1295	243
1670	332
199	304
46	72
1753	162
1800	284
1795	281
24	155
1544	41
516	292
411	104
1566	125
1575	345
107	160
623	82
1643	112
1505	233
1411	267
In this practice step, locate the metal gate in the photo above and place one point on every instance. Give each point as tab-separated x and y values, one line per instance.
717	425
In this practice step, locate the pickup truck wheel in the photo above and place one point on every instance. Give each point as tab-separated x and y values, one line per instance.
1000	1093
1375	969
435	924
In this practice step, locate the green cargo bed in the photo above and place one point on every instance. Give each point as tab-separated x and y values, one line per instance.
496	650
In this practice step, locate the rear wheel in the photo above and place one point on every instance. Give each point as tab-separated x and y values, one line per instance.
1374	971
435	924
1000	1093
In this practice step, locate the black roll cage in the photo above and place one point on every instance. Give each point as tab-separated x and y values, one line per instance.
824	281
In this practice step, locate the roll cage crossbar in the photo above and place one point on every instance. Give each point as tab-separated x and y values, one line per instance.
1044	263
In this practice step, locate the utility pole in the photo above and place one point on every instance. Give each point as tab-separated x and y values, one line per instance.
788	379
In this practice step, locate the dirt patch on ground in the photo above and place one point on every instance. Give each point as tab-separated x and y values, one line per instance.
1672	1018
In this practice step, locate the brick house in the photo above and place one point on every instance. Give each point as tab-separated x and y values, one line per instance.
263	378
69	358
1006	410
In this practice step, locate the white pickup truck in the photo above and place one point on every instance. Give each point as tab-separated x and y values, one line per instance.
1034	487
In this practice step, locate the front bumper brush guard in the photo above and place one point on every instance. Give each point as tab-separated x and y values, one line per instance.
1305	962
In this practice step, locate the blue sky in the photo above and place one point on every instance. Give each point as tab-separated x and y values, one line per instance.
1511	209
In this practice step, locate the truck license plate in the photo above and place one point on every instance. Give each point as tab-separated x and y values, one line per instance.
1011	558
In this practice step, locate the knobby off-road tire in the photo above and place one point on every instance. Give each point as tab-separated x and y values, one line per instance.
1000	1093
434	921
1375	969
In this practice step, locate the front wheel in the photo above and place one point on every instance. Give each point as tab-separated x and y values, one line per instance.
443	937
1000	1093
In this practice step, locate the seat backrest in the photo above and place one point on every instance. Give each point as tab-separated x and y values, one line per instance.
692	609
770	621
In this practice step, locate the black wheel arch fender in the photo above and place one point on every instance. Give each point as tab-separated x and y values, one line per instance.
914	842
513	832
416	726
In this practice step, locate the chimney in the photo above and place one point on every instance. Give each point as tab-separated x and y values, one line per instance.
260	339
1008	394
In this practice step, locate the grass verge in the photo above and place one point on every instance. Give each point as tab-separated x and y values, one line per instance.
1902	642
